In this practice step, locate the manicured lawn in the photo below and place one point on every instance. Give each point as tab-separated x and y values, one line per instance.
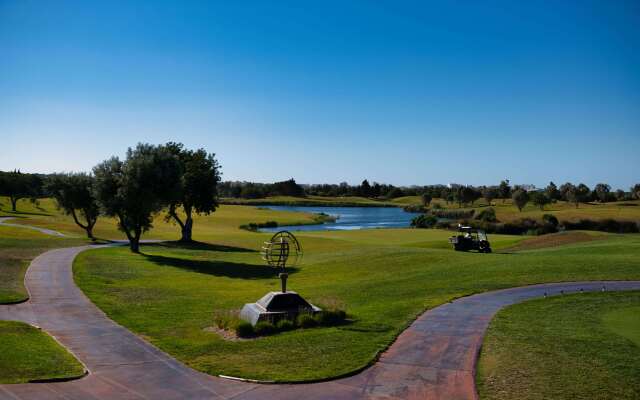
582	346
17	248
384	277
28	354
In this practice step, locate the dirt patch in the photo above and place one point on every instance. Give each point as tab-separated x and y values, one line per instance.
555	240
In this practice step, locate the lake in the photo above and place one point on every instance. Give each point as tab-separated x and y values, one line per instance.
349	218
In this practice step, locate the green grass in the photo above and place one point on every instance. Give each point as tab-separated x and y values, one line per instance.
583	346
385	277
28	354
624	322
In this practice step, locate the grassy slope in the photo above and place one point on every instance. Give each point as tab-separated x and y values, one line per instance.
506	211
17	248
385	278
573	347
27	354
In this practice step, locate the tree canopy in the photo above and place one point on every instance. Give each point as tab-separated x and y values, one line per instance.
73	194
137	188
17	185
520	198
197	189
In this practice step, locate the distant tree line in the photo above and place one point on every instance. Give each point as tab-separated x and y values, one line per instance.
463	195
151	179
182	182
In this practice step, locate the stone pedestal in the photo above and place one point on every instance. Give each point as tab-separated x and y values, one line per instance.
275	306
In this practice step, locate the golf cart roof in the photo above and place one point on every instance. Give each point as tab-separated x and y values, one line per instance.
469	229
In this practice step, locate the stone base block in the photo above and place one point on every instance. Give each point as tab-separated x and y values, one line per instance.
275	306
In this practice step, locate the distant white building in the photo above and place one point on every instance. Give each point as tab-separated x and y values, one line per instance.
527	187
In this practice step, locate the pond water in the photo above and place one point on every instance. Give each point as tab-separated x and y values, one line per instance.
349	218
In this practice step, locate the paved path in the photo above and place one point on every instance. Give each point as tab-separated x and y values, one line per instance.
3	221
433	359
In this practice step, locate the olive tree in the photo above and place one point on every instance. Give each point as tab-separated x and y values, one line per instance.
17	185
135	189
602	191
552	192
520	198
197	188
490	193
73	194
504	189
426	198
540	199
635	191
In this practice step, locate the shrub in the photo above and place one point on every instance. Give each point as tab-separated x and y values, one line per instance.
285	325
550	219
245	329
606	225
487	215
264	328
252	226
424	221
522	226
226	319
306	321
453	214
415	208
331	317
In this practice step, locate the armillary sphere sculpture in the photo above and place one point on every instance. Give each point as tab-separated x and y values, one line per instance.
283	249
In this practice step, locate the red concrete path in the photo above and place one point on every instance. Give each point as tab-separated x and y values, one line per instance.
433	359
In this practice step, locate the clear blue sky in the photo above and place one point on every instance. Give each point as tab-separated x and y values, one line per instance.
396	92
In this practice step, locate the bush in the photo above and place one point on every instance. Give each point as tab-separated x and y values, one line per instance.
245	329
424	221
264	328
453	214
487	215
285	325
306	321
550	219
415	208
226	319
605	225
524	226
253	226
331	317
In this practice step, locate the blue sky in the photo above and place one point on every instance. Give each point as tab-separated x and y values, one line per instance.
396	92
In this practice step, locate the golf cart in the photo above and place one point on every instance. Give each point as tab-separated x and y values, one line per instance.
469	238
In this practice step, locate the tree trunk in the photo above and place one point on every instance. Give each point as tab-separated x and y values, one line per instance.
134	245
134	242
187	228
88	227
14	200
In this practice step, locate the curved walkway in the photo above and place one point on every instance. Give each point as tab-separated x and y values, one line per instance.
3	221
432	359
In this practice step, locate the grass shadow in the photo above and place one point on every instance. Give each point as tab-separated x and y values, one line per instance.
219	268
201	246
17	214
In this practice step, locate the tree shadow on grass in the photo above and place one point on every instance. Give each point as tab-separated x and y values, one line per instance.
219	268
201	246
21	214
